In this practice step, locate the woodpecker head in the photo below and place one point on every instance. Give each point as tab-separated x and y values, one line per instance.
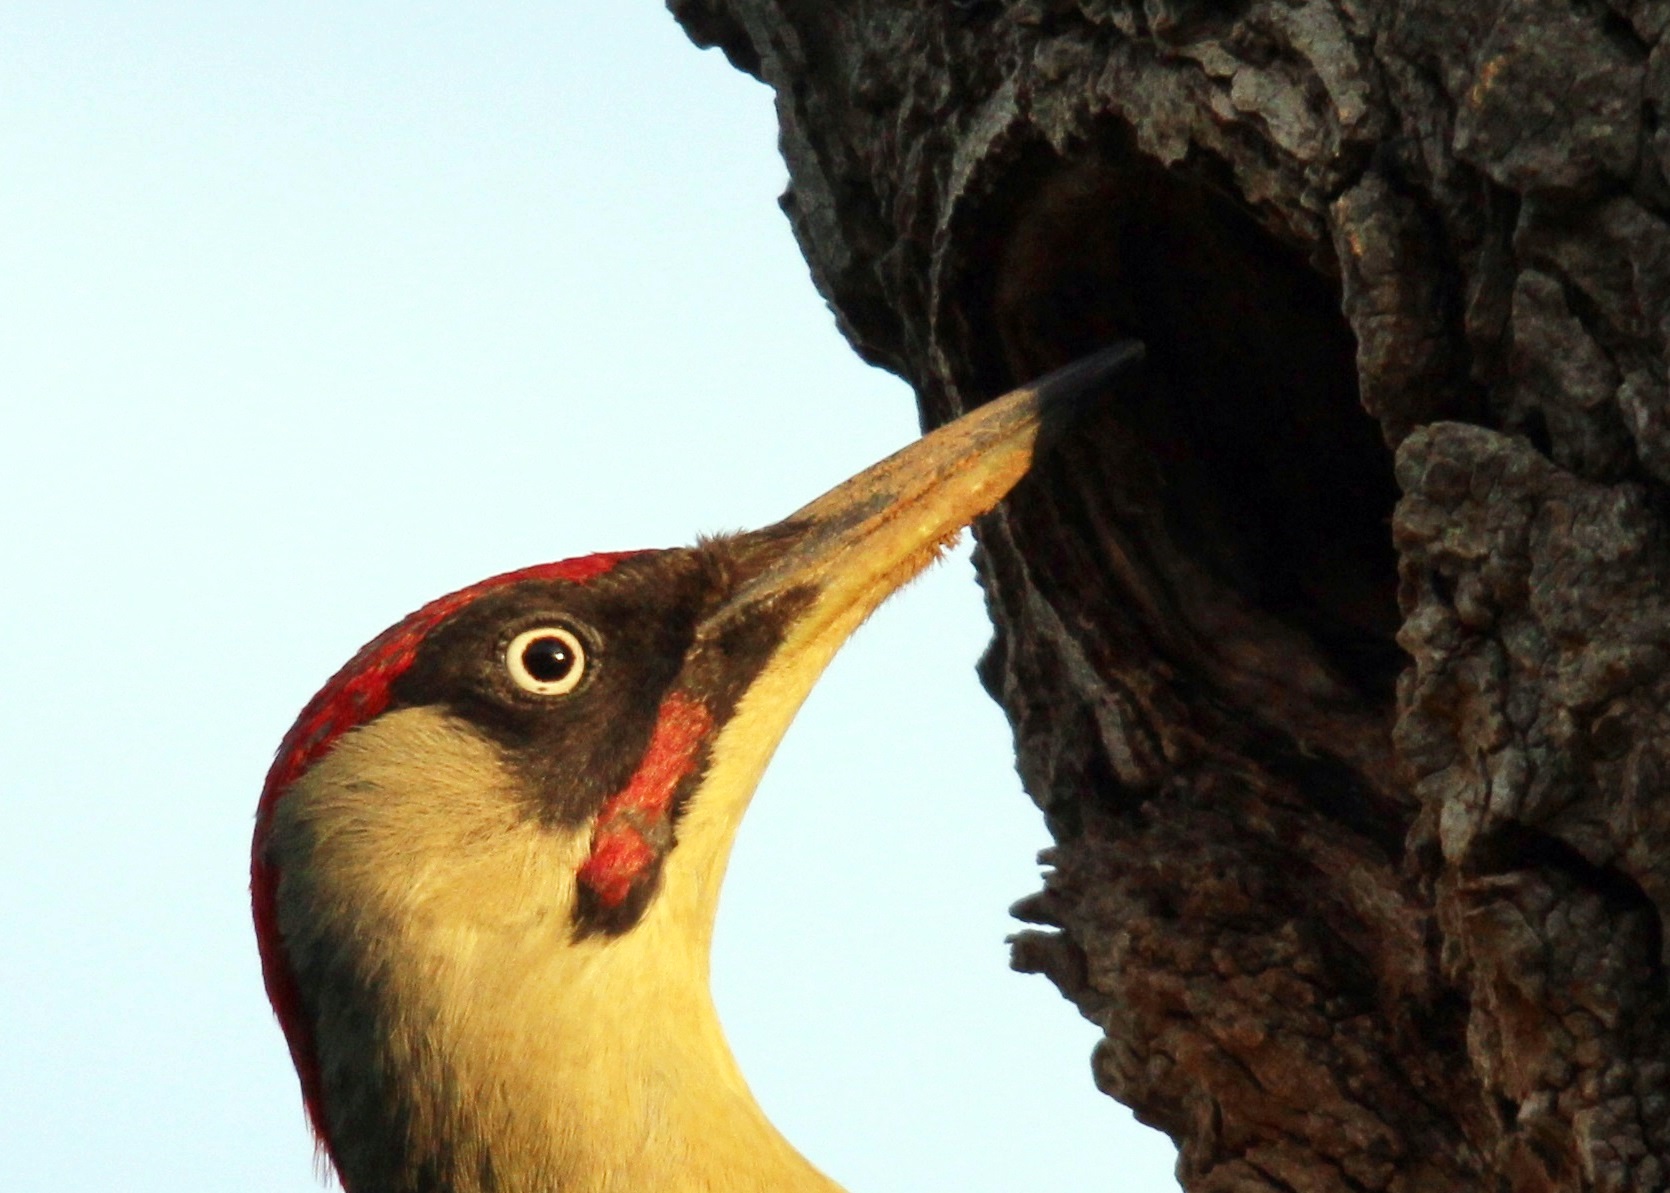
488	854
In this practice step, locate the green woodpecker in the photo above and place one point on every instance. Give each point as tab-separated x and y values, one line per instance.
489	852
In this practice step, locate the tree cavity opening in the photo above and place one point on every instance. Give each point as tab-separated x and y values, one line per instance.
1271	478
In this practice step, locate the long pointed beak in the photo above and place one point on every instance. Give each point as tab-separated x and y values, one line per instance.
810	580
834	561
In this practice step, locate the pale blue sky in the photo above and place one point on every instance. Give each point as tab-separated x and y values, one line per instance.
309	313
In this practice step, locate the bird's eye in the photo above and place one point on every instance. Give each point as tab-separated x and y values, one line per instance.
548	661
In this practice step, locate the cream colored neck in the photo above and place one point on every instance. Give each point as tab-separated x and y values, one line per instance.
468	1043
611	1076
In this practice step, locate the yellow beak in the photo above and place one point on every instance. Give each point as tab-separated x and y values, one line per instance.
811	579
835	560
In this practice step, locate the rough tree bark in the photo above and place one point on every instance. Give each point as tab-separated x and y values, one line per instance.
1338	652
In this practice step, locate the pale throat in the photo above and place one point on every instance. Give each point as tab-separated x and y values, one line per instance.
494	1046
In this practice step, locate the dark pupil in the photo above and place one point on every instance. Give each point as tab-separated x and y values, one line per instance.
548	659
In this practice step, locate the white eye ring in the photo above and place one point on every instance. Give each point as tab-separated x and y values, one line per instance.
547	661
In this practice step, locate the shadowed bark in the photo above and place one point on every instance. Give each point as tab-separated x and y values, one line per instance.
1337	651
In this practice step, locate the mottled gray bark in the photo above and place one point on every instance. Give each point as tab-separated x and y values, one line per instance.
1338	651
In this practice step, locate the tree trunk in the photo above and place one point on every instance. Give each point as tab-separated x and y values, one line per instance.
1337	649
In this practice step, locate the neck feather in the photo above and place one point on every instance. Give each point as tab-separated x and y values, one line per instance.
467	1043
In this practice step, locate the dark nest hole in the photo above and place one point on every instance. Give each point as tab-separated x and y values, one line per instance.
1272	478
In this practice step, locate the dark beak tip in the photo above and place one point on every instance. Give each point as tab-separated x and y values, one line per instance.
1066	395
